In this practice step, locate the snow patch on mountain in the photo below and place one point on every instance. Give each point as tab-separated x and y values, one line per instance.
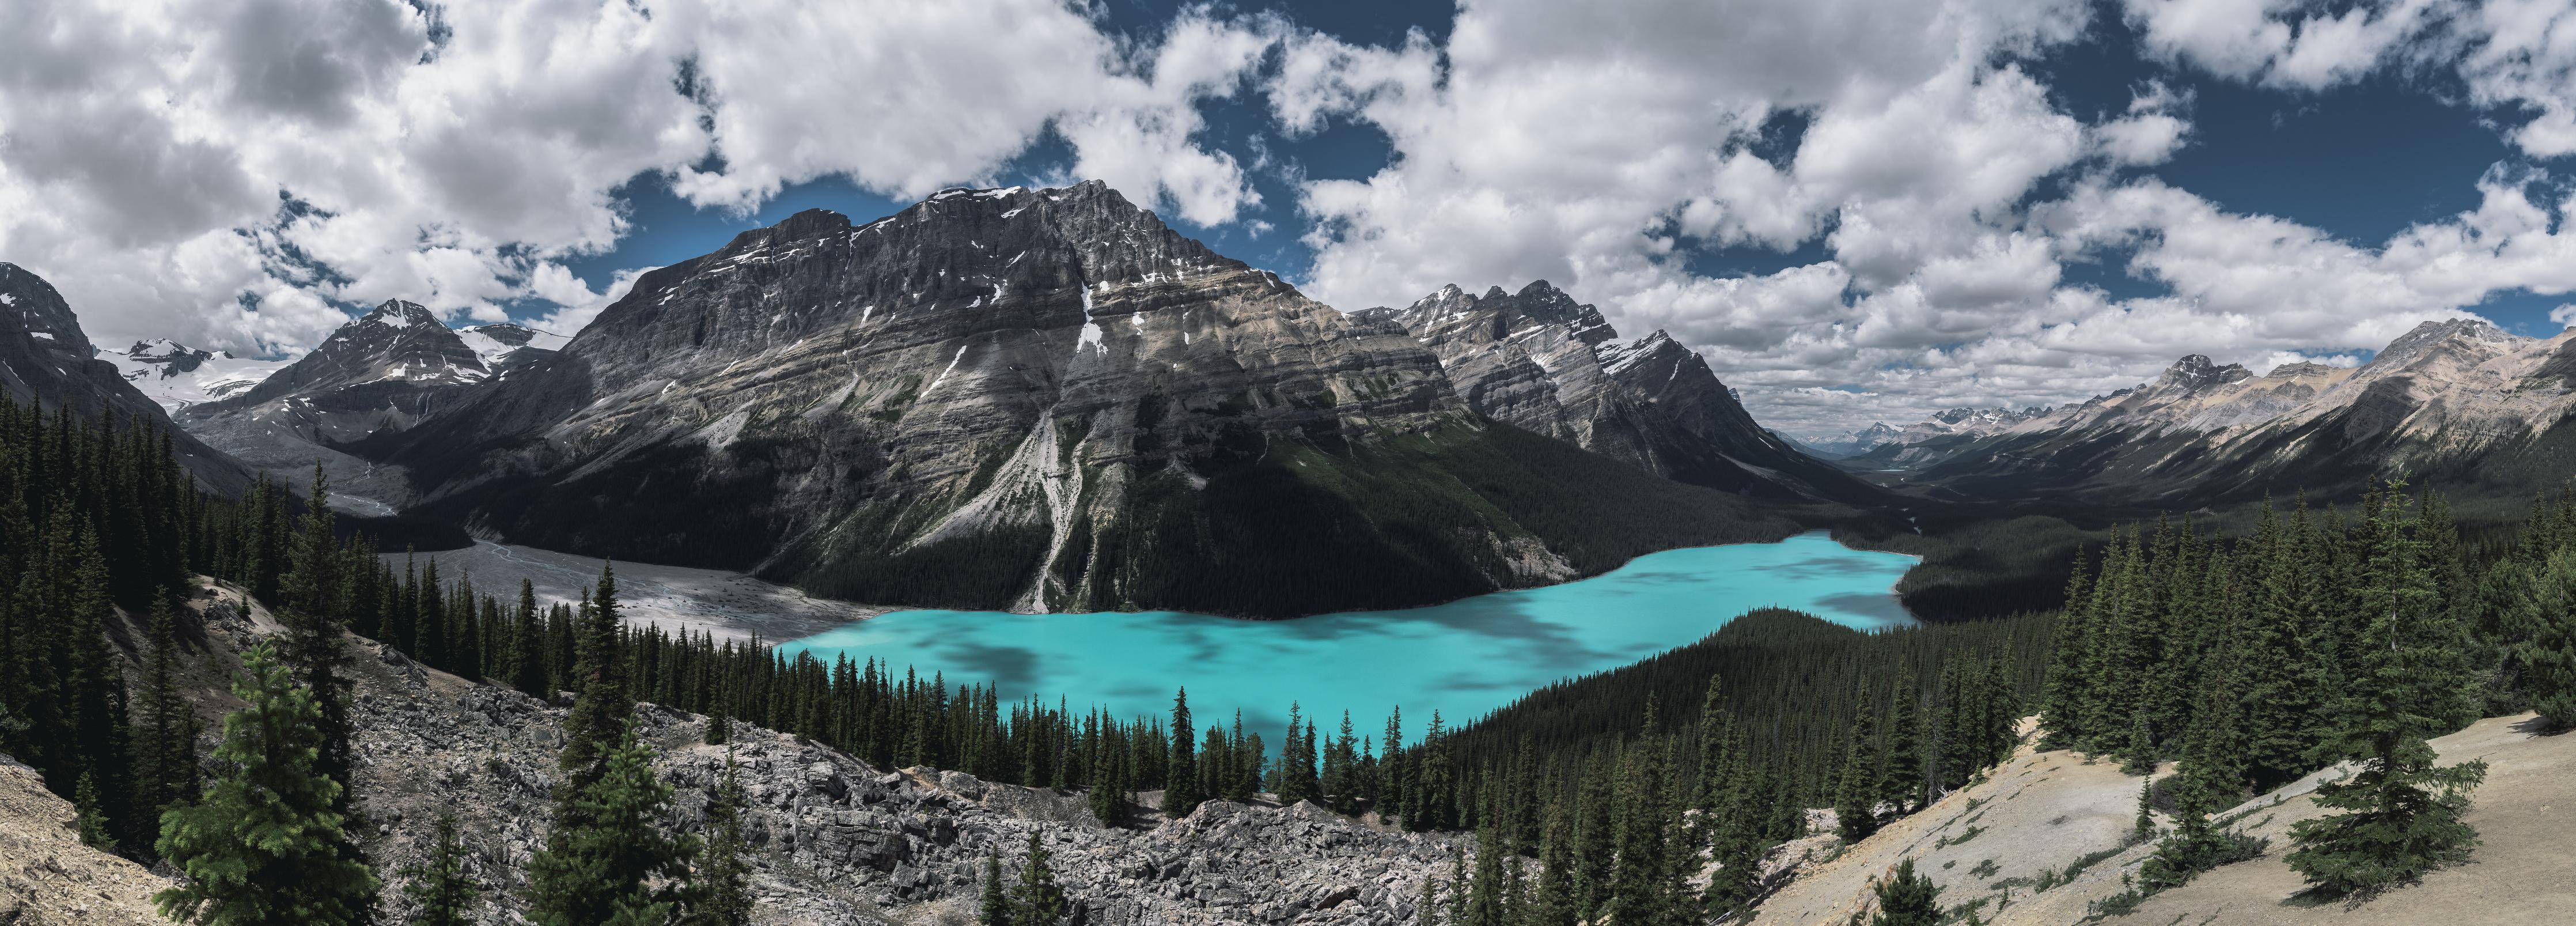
175	376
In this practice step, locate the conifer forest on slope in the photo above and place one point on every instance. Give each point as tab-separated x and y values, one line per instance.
2323	635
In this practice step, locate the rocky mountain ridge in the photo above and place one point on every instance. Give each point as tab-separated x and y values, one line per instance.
1040	399
1541	361
2457	401
381	372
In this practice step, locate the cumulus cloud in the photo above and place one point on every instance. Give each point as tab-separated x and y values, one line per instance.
2153	130
1949	191
2287	44
225	173
239	174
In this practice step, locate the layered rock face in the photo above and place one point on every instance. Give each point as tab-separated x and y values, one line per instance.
2459	402
382	373
1047	391
1545	363
45	358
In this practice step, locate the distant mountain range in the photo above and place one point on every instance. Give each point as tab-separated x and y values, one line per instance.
2460	403
1049	400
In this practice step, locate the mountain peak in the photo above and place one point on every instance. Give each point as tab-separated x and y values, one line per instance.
2195	372
2472	339
399	313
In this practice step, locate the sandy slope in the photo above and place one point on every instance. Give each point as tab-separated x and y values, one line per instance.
47	877
2045	811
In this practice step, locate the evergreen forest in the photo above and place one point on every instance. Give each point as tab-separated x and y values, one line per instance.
2326	635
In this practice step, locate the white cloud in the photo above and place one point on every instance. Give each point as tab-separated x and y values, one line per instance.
576	304
1574	145
160	159
2284	43
2152	131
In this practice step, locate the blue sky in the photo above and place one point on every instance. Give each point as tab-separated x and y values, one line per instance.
1857	210
2361	161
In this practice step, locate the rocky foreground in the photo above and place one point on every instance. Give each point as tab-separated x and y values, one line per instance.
838	841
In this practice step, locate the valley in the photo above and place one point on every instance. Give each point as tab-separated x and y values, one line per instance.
929	522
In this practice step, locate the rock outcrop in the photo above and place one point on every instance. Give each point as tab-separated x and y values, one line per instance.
835	840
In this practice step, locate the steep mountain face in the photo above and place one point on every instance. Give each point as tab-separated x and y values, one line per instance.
506	346
177	376
45	357
2459	403
1547	364
1043	399
381	373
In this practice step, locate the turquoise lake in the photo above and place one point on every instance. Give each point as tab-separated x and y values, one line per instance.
1464	658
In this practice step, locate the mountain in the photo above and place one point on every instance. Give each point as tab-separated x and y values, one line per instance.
46	358
1851	444
505	346
178	376
2460	403
1041	399
383	372
1549	365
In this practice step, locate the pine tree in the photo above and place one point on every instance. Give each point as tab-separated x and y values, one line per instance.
724	882
1038	900
1907	899
2403	811
263	846
1180	771
606	860
1856	797
2068	687
1646	881
1484	905
1553	897
527	667
90	819
2543	613
439	884
1903	784
1108	796
314	646
1596	843
165	727
996	907
601	708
